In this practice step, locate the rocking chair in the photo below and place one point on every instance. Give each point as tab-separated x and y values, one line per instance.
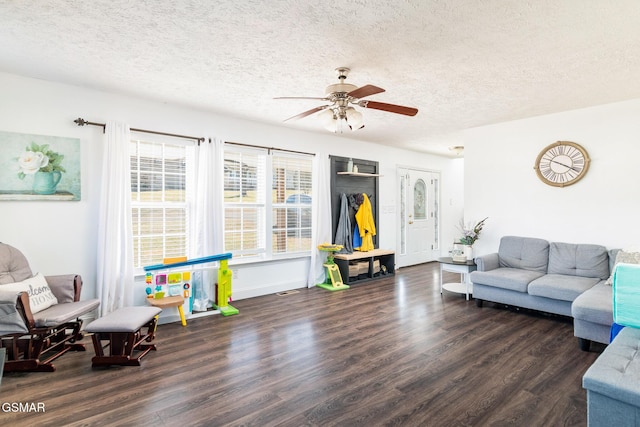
34	340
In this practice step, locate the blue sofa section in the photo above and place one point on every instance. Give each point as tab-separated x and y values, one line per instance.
613	383
550	276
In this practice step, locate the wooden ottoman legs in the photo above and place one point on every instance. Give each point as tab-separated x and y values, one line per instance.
123	345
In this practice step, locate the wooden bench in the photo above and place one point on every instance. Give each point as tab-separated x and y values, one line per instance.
122	329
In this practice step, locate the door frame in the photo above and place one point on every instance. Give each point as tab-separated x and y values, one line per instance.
438	211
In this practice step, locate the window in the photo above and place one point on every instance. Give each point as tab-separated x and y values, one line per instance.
244	202
259	225
291	204
159	201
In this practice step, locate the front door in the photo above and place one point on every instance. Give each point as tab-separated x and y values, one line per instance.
419	216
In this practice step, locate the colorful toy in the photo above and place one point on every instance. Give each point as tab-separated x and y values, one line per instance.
159	292
175	278
187	291
334	278
223	291
179	281
174	290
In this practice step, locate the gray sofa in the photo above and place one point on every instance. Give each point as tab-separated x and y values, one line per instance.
561	278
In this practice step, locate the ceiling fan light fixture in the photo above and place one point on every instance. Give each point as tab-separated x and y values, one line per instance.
354	118
328	120
457	149
338	114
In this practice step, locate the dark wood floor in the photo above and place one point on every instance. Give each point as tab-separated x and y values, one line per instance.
388	352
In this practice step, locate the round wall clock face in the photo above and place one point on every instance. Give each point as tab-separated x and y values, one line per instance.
562	163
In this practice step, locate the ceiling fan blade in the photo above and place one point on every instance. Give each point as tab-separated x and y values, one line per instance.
392	108
307	113
301	97
366	90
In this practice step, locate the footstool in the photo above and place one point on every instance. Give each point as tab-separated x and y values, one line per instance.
613	383
122	329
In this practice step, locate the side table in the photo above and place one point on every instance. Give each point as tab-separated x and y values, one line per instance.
464	268
175	301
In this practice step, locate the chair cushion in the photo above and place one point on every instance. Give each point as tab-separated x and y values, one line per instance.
66	312
127	319
14	267
40	295
11	321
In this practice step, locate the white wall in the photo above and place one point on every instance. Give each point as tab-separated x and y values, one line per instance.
602	208
59	237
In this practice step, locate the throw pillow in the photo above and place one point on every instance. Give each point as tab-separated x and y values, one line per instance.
40	295
624	257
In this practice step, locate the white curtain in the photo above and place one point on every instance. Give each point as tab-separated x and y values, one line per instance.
115	236
321	218
207	230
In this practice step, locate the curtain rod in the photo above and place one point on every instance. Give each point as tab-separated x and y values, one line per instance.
267	148
82	122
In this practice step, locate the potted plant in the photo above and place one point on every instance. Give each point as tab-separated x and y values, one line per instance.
470	233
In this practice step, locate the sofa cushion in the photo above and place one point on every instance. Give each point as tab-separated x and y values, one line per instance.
616	374
66	312
527	253
514	279
594	305
40	295
560	286
579	260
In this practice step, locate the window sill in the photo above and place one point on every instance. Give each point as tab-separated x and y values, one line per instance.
260	260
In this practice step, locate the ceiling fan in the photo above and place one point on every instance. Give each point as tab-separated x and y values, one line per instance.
342	97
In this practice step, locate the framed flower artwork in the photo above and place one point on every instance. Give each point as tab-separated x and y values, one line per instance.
39	167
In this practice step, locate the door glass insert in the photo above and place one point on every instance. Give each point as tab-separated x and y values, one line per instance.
420	200
403	210
436	213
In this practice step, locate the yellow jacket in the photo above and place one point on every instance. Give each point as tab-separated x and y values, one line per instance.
366	225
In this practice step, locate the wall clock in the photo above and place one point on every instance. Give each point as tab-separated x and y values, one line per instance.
562	163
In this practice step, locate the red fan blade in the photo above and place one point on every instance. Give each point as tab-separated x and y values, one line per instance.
307	113
366	90
392	108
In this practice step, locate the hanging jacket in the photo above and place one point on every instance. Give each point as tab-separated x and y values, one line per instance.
357	240
343	233
366	224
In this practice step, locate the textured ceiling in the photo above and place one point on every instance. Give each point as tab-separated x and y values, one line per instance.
462	63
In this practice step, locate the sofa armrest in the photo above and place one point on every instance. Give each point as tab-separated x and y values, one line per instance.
14	313
65	287
488	262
